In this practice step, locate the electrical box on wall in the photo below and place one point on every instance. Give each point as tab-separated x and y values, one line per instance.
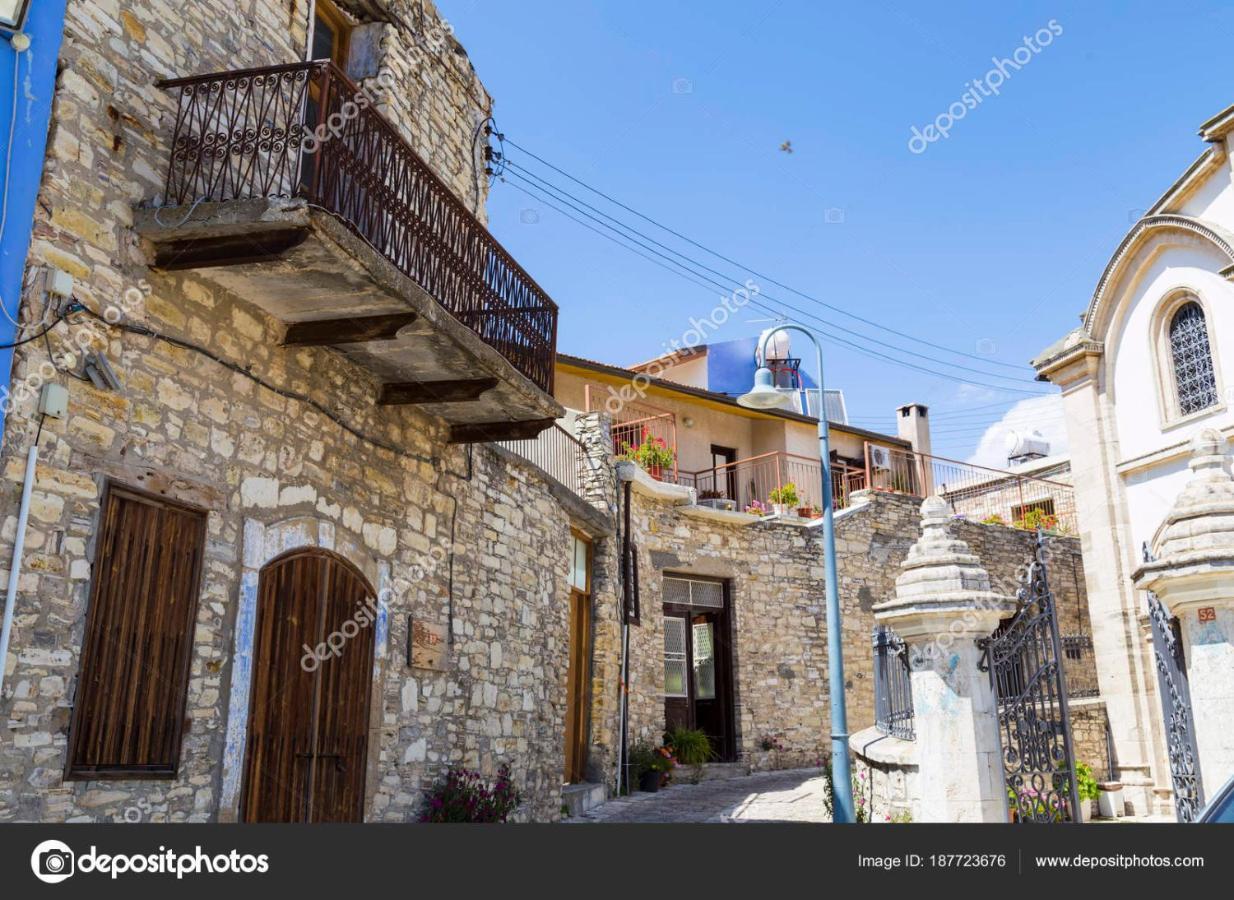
54	400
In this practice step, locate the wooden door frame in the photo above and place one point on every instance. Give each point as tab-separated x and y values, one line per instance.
262	543
578	732
725	662
319	553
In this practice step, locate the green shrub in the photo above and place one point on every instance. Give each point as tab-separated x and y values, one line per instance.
690	746
1086	784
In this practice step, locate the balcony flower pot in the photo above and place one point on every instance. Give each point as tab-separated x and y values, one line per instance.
784	499
649	781
652	454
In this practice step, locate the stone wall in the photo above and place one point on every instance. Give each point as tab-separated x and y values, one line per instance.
284	444
1088	731
775	572
775	577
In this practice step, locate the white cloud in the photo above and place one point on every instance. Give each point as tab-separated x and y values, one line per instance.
1041	414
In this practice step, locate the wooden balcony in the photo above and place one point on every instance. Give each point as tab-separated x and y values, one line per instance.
287	188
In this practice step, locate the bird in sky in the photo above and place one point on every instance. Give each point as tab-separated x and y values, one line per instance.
787	147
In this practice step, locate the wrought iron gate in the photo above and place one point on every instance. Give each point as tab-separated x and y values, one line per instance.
1024	658
1176	711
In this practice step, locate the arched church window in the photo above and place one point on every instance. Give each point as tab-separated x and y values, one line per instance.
1192	360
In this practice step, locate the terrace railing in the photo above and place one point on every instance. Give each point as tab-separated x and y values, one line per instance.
976	492
747	480
306	130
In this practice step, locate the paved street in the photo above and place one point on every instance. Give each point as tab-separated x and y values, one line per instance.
789	796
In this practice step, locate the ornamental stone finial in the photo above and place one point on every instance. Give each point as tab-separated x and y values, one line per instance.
942	583
1196	541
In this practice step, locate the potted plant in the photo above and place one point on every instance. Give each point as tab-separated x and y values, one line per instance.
690	747
650	766
756	508
651	453
1087	788
715	500
784	498
809	511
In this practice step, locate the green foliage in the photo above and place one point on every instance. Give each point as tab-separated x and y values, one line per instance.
1085	783
689	746
652	453
861	811
995	519
786	494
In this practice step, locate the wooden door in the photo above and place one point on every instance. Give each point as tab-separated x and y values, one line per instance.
698	661
578	695
308	719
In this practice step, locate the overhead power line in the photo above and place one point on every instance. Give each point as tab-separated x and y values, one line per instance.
604	219
533	191
755	272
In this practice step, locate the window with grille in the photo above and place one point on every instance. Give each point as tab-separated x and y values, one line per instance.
128	711
1191	357
689	592
674	656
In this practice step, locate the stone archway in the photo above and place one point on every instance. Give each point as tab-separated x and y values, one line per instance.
264	543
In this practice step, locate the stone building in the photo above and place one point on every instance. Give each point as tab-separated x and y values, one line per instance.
727	627
1140	376
251	466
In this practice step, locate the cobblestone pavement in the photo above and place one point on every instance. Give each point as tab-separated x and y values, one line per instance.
789	796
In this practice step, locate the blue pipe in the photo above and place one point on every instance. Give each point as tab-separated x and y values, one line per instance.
23	142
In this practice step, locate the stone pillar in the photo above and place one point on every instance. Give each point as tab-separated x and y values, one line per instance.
1193	577
1125	671
943	605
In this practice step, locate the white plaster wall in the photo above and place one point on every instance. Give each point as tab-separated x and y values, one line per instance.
1138	414
1150	493
1214	200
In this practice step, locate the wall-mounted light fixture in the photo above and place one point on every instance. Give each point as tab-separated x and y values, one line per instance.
13	14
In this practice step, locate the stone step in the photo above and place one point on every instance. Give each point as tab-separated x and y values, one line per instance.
579	799
717	771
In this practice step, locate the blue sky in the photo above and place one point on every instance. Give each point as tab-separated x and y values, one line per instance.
989	242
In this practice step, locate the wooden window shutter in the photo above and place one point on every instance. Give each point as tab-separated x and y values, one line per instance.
128	713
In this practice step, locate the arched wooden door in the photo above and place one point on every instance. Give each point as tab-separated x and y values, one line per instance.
308	718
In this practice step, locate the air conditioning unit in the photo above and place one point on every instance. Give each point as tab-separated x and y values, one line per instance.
880	457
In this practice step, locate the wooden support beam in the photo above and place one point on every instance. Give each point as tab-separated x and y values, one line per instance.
352	330
227	250
459	390
480	432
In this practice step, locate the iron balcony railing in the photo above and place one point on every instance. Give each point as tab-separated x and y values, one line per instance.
893	689
306	130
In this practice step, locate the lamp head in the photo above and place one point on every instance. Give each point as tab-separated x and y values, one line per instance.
764	394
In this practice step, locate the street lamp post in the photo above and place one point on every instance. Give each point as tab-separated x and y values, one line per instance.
765	396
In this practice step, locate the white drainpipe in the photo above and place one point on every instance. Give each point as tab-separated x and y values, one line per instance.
19	546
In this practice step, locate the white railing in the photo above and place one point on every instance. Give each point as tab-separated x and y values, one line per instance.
556	451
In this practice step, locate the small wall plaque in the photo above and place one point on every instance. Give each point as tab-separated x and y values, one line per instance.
1208	614
426	645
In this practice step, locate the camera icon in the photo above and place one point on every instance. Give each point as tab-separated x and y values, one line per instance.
683	86
529	216
833	215
52	862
